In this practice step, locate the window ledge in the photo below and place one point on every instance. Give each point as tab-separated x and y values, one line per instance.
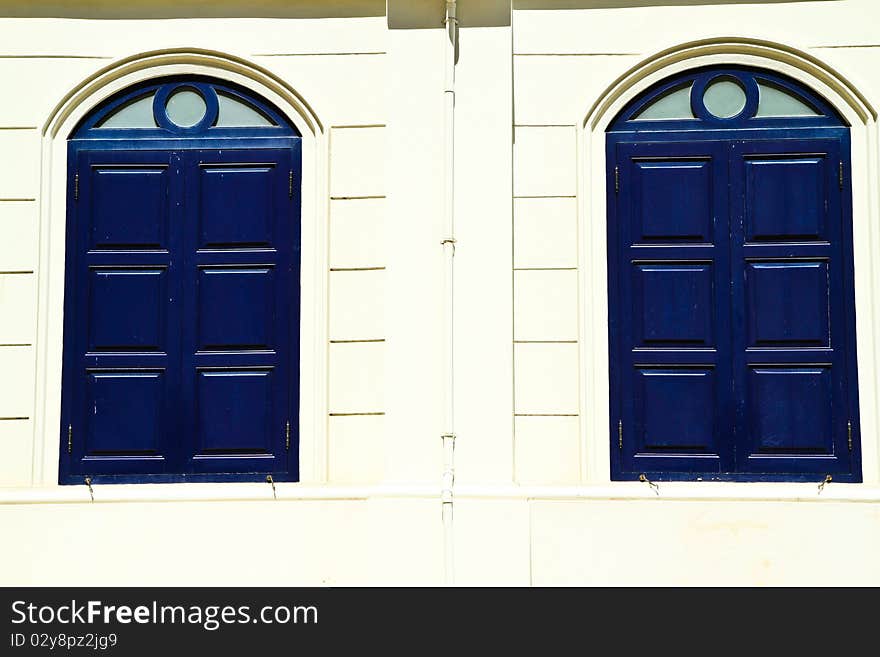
685	491
617	491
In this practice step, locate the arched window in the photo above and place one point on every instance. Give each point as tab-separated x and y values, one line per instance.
732	313
181	315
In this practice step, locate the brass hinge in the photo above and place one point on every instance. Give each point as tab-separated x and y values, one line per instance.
620	434
849	435
840	174
290	185
76	186
287	436
616	180
70	439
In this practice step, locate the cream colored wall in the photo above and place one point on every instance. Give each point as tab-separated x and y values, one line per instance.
533	503
564	61
339	66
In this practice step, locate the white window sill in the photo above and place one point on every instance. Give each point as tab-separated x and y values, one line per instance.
220	492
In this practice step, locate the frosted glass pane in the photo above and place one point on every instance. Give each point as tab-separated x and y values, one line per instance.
135	114
774	101
237	114
724	98
674	104
185	108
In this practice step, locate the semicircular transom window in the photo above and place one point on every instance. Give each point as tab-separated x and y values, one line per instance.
184	106
727	97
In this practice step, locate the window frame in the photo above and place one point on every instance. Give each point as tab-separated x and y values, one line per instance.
624	128
170	137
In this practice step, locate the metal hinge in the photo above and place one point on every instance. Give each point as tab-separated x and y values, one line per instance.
70	439
620	434
849	435
290	185
840	174
287	436
76	186
616	180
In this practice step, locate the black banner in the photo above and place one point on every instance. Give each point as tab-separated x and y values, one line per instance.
412	621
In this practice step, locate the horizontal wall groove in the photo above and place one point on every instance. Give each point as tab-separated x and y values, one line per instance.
545	125
357	414
545	269
22	271
546	415
17	344
358	126
364	340
18	127
17	200
545	196
576	54
545	342
9	56
378	268
864	45
350	198
319	54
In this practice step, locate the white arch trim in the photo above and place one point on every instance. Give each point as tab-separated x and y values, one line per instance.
861	115
837	89
76	104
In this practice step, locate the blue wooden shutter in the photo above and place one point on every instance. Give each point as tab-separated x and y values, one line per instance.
731	309
122	307
669	332
182	315
238	259
790	290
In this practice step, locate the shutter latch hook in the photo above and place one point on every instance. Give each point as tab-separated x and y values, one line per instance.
826	480
88	481
271	481
644	479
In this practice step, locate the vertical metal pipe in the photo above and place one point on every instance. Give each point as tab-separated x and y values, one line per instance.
448	412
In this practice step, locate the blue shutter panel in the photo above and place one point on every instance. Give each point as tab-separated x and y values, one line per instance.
670	337
790	289
237	259
182	315
731	309
122	308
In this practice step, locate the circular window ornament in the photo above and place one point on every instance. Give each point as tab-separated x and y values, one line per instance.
186	108
724	98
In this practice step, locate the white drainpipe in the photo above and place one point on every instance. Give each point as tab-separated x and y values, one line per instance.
448	417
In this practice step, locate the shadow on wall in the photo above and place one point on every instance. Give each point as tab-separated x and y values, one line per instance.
136	9
428	14
402	14
623	4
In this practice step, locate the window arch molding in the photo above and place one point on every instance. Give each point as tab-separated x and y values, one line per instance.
843	96
60	124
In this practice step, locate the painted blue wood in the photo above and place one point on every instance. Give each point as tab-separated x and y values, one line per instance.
119	357
237	267
792	292
669	338
181	335
731	300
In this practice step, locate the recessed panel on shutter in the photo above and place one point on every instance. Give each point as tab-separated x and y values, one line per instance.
789	282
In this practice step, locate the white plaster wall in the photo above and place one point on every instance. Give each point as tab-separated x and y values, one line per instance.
564	62
533	504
